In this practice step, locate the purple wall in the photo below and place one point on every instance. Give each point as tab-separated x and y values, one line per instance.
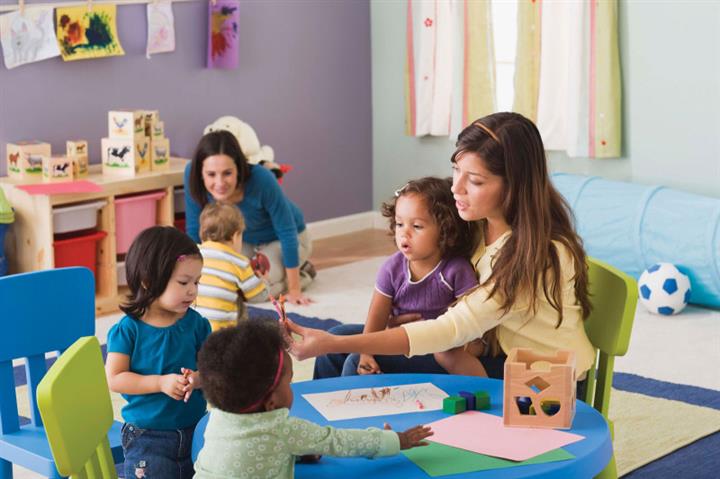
303	84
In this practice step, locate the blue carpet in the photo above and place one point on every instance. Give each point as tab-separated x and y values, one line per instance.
696	460
661	389
308	321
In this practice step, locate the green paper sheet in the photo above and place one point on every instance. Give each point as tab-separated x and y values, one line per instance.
441	460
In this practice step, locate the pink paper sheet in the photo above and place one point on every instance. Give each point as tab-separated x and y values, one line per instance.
485	434
82	186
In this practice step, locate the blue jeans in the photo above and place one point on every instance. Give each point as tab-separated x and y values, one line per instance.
333	365
157	454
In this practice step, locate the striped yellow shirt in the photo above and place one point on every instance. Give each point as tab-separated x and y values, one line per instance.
225	273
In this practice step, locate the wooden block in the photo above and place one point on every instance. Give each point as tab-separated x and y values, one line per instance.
158	130
150	118
469	399
454	404
57	168
126	124
160	154
77	150
482	400
76	147
25	159
123	157
142	155
539	390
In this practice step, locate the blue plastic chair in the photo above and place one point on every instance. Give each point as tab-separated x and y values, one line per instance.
42	311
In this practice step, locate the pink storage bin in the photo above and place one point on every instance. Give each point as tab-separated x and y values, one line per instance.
132	215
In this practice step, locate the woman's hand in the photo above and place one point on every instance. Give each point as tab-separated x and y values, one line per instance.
368	365
413	437
395	321
315	342
296	297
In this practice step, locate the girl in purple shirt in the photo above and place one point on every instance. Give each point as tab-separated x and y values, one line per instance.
428	273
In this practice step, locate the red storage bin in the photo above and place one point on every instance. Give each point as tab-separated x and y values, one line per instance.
134	214
180	224
77	250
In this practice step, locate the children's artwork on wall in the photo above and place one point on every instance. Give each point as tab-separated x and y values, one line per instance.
84	33
379	401
161	28
223	41
28	37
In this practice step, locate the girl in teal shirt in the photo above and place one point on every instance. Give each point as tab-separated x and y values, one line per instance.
152	354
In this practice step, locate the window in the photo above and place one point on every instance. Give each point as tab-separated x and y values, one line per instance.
504	20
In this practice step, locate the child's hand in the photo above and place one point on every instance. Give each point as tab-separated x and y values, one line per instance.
413	437
173	385
368	365
192	381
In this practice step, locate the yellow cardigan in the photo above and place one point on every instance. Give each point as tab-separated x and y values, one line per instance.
475	313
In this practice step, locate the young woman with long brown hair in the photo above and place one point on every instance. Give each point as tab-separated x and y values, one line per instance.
530	263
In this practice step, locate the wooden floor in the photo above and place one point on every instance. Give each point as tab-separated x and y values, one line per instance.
348	248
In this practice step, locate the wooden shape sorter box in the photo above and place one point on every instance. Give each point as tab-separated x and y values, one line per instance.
29	243
539	390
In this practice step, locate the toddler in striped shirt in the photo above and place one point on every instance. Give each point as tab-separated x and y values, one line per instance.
228	280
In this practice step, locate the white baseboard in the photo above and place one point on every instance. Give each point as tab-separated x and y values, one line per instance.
346	224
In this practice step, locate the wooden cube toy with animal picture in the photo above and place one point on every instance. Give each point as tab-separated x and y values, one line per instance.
124	157
126	124
77	150
25	159
158	130
160	155
546	382
151	117
57	168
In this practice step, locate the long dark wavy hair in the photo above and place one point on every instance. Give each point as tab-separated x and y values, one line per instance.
456	234
219	142
511	147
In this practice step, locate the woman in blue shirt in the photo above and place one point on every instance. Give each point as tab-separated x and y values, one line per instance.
274	225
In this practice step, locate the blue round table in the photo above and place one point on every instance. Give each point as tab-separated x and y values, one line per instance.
591	454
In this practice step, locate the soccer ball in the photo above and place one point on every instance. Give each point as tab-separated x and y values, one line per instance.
664	289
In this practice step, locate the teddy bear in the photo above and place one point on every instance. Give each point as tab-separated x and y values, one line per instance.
249	143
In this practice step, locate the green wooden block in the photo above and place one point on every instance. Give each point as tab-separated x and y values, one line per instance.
454	404
482	400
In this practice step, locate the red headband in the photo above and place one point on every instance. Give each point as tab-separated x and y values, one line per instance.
274	384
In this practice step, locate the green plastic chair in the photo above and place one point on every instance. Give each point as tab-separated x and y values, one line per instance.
74	402
613	295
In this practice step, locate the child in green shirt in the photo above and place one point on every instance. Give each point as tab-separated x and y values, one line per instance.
246	374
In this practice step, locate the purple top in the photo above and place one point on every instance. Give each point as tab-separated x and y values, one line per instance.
429	296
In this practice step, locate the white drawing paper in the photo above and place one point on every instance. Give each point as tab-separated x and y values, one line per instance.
28	37
378	401
161	28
